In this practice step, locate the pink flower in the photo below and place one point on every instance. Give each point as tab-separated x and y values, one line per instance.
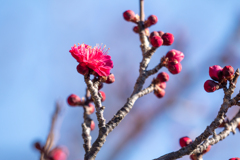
95	58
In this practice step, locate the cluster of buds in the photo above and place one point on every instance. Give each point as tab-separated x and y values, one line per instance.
158	38
236	158
57	153
220	77
185	141
130	16
172	61
160	84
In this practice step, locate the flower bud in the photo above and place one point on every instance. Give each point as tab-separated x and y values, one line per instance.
168	39
129	15
154	33
236	158
174	67
211	86
156	41
100	86
103	95
159	92
152	20
215	72
92	125
74	100
160	33
163	77
59	153
193	157
238	126
162	85
136	29
175	55
207	150
184	141
110	79
90	108
228	72
82	69
38	146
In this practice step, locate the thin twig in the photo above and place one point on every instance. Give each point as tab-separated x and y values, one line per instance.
50	139
232	125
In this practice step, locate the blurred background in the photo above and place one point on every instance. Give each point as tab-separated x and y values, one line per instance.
36	70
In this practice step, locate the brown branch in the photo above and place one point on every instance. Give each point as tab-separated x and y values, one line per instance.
50	139
104	131
86	131
210	129
97	101
230	127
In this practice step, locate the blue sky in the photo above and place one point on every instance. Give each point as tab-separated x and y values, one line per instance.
37	69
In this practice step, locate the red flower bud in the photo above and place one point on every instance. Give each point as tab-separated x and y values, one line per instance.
38	146
103	95
207	150
162	85
100	86
82	69
238	126
211	86
129	15
110	79
193	157
174	67
90	108
163	77
228	72
154	33
234	158
136	29
223	123
184	141
160	33
215	72
74	100
152	19
59	153
159	92
156	41
168	39
175	55
92	125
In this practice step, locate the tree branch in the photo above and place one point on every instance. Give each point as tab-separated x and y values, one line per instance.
230	127
210	129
